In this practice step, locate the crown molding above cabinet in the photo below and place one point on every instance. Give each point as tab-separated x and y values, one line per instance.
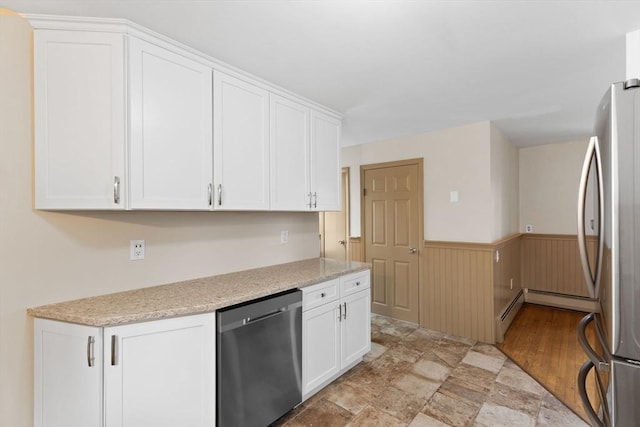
128	119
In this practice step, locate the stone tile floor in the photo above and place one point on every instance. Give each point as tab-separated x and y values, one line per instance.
417	377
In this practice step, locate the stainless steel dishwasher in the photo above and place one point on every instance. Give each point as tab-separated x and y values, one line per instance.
259	360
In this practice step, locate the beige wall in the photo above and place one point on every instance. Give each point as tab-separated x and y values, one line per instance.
549	179
504	185
53	256
454	159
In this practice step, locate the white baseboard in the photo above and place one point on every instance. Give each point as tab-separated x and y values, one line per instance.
560	301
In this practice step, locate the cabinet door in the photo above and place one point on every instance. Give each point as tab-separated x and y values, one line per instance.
320	346
79	106
289	155
161	373
325	162
171	137
241	144
356	326
68	375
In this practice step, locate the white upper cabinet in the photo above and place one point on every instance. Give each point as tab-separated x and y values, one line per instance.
79	120
305	158
241	144
289	154
325	162
128	119
171	129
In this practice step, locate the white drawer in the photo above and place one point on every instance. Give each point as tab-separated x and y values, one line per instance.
322	293
355	282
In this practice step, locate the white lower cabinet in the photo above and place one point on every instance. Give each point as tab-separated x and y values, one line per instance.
67	375
336	332
159	373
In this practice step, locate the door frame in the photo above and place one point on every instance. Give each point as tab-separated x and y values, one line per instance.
345	184
419	162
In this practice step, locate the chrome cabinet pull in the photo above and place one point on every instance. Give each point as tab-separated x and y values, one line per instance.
412	250
345	311
309	195
315	200
342	242
116	190
219	194
340	314
210	194
90	357
114	341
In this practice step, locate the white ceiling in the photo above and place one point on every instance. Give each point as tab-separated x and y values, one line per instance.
535	68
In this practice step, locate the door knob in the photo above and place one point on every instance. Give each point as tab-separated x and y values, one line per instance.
342	242
412	250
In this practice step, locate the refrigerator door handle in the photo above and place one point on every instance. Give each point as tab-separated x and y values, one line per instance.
592	279
593	356
582	391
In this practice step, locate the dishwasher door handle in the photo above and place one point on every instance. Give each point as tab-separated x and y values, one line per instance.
248	320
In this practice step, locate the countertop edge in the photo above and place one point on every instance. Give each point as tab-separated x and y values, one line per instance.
85	311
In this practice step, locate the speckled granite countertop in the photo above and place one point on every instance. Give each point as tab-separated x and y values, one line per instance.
195	296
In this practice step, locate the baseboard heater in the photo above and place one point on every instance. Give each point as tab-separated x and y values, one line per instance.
554	299
504	320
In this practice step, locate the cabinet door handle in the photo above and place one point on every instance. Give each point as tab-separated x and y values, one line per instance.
219	194
90	356
309	195
322	295
114	342
210	194
116	190
357	283
345	311
340	314
315	200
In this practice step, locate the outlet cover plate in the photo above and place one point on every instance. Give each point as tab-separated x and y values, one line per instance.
137	249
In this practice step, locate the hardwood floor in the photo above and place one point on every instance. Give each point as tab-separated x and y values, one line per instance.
543	342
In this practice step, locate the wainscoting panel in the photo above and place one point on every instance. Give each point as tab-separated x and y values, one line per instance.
551	263
507	279
457	289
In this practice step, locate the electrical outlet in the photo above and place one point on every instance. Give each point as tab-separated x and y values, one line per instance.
284	237
528	228
136	248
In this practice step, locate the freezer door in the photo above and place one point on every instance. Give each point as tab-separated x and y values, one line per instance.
625	383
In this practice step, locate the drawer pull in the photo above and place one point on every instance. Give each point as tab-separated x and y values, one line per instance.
322	295
357	283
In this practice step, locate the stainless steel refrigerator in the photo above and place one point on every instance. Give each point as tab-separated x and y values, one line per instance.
612	271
